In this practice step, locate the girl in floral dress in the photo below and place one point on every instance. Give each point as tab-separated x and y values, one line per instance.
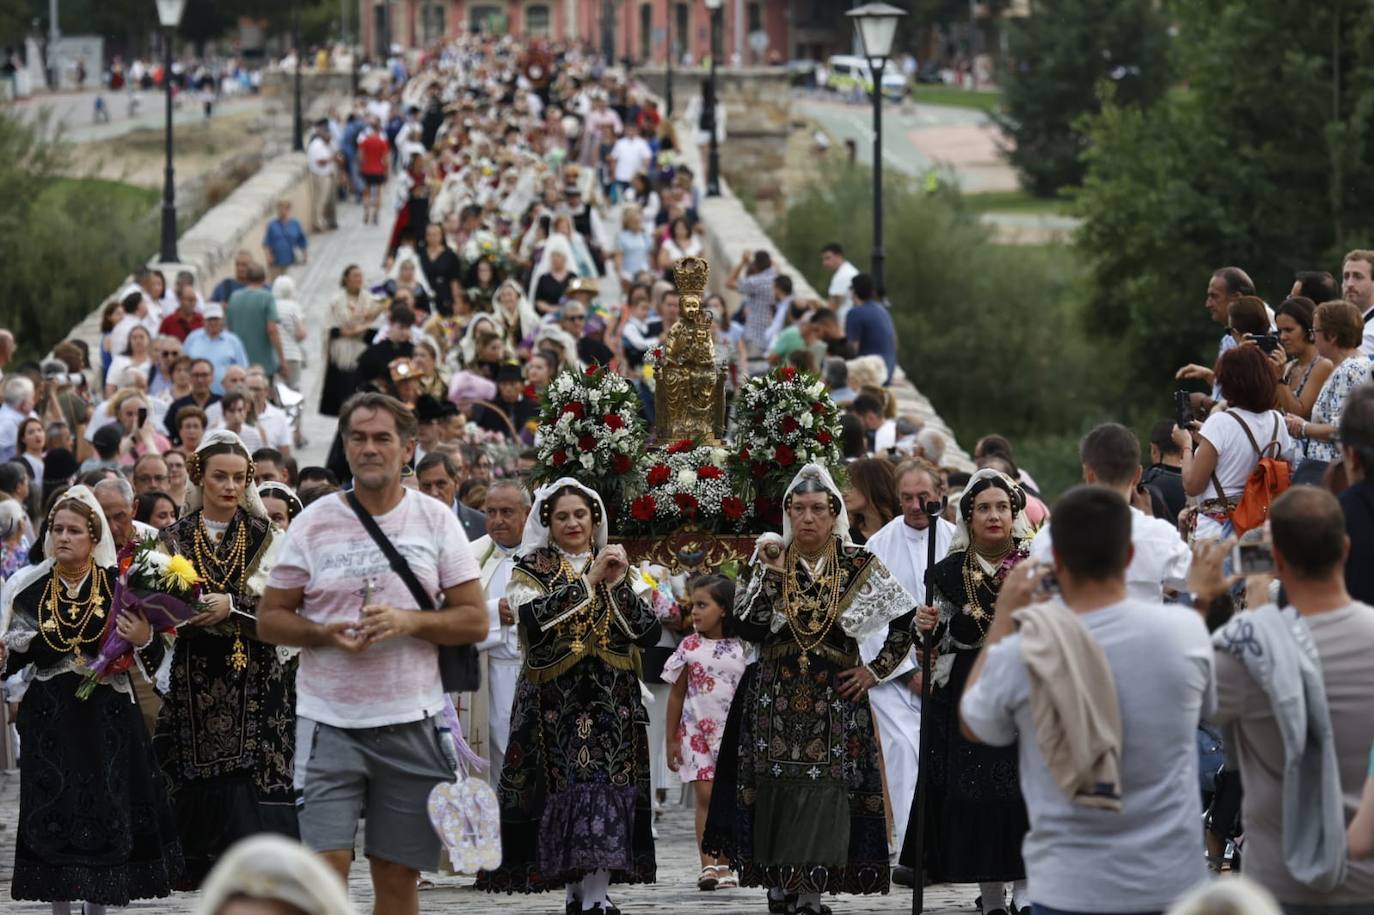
700	702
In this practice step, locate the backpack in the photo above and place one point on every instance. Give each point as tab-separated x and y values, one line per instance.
1267	481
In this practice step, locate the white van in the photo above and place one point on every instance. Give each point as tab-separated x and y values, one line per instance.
847	71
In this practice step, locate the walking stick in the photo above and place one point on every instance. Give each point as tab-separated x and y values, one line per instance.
932	511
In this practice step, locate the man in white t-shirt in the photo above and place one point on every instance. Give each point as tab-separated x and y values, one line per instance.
841	277
319	155
1110	455
630	156
369	697
1127	840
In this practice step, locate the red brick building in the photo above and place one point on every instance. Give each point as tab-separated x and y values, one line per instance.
754	31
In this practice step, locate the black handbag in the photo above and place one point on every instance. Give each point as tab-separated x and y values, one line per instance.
459	670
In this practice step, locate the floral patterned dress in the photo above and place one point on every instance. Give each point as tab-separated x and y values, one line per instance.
714	668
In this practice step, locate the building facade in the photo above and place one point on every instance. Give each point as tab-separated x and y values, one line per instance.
753	31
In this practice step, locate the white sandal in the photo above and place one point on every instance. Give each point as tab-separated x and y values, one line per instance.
708	879
729	881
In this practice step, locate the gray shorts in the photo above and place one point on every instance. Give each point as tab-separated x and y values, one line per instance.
384	773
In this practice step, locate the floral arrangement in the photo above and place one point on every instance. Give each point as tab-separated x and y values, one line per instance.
592	431
686	483
783	420
487	244
163	589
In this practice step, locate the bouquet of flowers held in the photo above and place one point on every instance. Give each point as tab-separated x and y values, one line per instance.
592	431
783	420
686	483
164	590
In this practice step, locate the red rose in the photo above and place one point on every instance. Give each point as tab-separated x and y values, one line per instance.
789	425
744	454
785	456
643	508
531	393
817	407
679	446
559	458
686	503
788	373
587	443
621	463
613	421
758	469
732	507
709	472
658	474
592	369
575	408
823	437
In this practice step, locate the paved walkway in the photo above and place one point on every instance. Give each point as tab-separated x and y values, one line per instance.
75	111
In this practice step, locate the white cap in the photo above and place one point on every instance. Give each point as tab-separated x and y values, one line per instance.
213	310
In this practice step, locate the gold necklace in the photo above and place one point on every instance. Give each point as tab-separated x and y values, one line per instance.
65	636
817	628
71	584
587	624
974	577
222	575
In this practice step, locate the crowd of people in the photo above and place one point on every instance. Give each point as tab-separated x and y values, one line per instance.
413	611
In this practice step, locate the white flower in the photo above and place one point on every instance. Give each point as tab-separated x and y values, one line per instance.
719	456
816	389
806	420
594	396
687	478
587	460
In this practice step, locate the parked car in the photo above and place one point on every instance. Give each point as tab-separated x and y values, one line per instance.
847	71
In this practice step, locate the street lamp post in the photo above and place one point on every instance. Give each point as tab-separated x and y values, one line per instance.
709	109
875	25
169	16
297	132
668	76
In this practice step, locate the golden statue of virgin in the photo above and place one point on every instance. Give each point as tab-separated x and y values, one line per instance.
689	401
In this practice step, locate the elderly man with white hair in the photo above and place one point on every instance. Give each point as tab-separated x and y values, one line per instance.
18	395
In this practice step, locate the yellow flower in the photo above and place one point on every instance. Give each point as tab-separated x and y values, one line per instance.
180	573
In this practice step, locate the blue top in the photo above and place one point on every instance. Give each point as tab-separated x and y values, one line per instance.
283	237
869	328
221	352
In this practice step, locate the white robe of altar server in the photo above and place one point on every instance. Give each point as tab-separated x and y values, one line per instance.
501	650
898	710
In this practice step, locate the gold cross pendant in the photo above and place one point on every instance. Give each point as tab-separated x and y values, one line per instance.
804	664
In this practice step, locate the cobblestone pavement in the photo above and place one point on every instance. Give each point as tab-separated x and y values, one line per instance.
675	891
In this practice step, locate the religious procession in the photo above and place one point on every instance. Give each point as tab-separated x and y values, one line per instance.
593	543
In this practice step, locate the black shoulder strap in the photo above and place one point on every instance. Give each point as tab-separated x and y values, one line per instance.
398	563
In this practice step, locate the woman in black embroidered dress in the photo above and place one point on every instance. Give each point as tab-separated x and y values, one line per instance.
574	791
94	821
226	734
975	817
808	815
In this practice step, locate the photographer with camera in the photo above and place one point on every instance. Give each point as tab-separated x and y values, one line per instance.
1231	441
1303	762
1338	329
1300	369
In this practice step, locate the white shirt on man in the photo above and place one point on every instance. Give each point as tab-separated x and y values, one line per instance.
632	155
320	156
840	282
1162	558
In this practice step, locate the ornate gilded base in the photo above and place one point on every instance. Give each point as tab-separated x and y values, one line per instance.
689	550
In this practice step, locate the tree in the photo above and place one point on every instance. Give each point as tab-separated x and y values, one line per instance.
1058	56
1256	163
68	242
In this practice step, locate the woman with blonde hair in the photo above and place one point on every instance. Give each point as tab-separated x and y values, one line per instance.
351	313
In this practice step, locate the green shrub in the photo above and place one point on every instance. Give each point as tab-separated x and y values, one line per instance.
68	241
